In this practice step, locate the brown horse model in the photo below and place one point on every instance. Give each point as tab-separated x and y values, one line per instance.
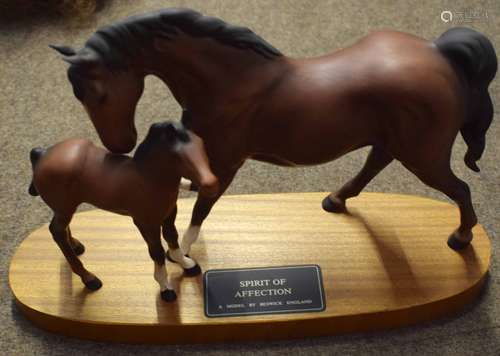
406	97
144	187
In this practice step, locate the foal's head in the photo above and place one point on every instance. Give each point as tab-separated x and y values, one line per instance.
172	149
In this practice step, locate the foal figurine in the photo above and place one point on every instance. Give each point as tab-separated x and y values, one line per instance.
144	187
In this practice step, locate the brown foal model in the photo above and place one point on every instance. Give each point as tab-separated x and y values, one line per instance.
405	96
144	187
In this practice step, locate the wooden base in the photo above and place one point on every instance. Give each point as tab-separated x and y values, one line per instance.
385	264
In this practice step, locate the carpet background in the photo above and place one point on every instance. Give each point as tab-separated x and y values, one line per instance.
37	107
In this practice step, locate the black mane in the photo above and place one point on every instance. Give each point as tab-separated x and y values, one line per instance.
168	132
119	41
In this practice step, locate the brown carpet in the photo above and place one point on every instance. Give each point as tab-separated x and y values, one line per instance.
37	108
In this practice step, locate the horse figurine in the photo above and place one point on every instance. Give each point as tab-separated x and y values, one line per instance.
404	96
144	187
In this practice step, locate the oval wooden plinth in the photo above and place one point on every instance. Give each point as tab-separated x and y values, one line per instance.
385	264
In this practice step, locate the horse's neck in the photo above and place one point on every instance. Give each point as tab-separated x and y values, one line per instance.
201	71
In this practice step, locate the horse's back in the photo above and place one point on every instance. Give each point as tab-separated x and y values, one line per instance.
411	77
56	171
387	89
64	157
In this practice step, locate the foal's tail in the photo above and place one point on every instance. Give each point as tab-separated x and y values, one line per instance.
35	155
474	59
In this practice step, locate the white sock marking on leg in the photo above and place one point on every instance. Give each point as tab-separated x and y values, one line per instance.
185	184
190	236
161	276
178	256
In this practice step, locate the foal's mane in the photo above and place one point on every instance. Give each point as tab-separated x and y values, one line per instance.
168	132
119	41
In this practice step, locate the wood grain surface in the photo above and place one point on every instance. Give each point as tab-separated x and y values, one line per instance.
385	264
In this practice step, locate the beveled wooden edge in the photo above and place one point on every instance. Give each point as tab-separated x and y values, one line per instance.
254	330
258	330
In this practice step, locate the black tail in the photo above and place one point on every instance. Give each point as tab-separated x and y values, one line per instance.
35	155
475	61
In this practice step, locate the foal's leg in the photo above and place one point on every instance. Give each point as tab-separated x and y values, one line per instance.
174	253
151	235
59	228
377	160
442	178
201	210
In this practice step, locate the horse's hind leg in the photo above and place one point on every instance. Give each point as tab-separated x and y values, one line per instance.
377	160
76	245
59	228
442	178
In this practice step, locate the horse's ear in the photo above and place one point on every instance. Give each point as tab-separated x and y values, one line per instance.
82	59
64	50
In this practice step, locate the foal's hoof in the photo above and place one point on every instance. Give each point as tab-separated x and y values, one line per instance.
168	295
193	271
333	206
170	259
93	284
456	243
79	249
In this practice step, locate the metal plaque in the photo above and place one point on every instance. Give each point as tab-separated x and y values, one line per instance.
271	290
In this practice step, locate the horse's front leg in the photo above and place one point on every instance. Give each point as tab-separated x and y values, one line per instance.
151	235
175	253
201	210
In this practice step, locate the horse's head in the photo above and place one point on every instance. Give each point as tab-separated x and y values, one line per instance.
108	96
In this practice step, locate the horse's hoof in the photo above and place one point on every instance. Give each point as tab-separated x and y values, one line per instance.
93	284
170	259
79	249
333	206
193	271
168	295
457	244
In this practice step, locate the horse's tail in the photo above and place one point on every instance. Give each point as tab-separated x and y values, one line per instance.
474	59
35	155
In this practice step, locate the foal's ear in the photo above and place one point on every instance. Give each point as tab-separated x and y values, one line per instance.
195	165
